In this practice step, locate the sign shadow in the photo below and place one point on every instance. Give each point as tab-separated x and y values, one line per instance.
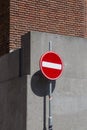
40	87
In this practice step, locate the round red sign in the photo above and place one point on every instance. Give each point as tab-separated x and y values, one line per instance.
51	65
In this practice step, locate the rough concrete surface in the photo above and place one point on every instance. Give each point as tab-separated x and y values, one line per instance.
69	106
13	104
24	101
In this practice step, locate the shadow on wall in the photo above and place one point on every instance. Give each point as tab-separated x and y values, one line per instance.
40	87
13	104
4	26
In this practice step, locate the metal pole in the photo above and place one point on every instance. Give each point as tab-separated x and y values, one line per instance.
50	46
50	96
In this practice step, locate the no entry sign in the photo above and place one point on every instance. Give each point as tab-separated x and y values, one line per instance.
51	65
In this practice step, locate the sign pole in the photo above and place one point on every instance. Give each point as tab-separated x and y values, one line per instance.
51	66
50	96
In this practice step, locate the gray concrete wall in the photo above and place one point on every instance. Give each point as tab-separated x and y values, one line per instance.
24	90
13	104
69	106
13	89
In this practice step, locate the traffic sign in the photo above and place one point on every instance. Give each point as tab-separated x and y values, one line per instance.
51	65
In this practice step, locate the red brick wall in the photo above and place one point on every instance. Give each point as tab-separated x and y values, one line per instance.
55	16
65	17
85	17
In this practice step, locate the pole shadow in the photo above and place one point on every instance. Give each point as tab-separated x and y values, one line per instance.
40	87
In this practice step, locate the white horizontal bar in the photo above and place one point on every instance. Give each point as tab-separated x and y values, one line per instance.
51	65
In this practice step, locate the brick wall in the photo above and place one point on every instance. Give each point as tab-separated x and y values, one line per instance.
65	17
54	16
85	17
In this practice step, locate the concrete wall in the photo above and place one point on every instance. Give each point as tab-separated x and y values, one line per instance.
13	104
24	90
69	106
13	89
